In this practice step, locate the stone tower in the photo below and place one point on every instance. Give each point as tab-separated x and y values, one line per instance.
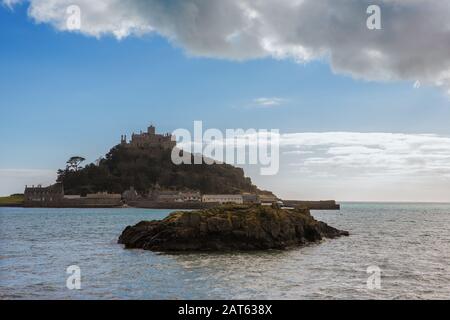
123	139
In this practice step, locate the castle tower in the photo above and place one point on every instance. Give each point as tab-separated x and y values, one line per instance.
151	130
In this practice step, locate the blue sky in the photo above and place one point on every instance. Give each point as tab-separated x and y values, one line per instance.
64	93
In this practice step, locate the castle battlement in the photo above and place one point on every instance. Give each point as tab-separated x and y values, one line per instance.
149	139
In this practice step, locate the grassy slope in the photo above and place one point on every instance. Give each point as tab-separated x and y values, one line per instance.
12	200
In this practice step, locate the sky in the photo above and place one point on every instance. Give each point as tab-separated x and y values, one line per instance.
363	114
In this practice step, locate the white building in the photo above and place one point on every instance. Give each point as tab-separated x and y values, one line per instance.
223	198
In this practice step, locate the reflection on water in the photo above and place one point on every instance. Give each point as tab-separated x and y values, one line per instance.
409	242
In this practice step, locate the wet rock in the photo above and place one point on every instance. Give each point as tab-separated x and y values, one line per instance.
228	228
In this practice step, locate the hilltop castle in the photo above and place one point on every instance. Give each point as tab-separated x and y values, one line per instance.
149	139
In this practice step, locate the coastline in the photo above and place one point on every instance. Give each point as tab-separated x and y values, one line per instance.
147	204
12	205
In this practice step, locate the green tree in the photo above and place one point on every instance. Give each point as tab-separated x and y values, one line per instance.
142	168
73	164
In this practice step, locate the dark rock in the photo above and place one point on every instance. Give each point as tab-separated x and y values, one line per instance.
235	227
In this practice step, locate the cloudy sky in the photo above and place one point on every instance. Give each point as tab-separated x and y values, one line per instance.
364	114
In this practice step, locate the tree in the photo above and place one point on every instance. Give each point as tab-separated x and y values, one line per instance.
73	164
142	168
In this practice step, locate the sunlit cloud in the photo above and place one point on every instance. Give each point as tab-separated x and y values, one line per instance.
357	153
268	102
413	44
370	153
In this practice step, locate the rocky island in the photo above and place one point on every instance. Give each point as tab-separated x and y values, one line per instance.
140	173
226	228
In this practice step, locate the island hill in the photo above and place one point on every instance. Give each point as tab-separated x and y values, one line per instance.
233	214
140	173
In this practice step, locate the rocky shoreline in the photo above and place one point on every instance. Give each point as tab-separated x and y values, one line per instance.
228	228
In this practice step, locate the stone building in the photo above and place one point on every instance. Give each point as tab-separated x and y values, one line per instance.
39	194
251	198
103	195
168	196
53	196
149	139
223	198
175	196
267	199
191	196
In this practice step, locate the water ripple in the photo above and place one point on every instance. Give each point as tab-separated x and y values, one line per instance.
409	242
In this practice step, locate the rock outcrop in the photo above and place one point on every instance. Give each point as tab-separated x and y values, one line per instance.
227	228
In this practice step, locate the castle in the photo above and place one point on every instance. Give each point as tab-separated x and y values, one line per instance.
149	139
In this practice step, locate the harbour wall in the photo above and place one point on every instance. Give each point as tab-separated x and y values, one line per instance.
313	205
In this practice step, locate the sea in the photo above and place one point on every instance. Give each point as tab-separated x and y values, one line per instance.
394	251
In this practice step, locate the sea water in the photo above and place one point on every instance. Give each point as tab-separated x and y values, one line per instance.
408	243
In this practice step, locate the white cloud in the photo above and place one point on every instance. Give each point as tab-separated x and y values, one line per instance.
268	102
362	166
358	154
413	44
361	154
297	152
353	150
10	3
